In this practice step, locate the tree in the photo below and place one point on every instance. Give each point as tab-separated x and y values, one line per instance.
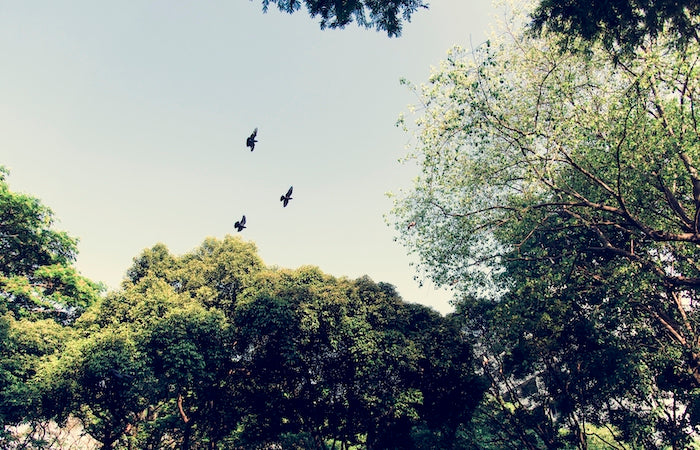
103	380
37	279
384	15
213	349
348	362
146	369
217	272
561	191
450	386
155	261
191	350
104	377
619	24
23	345
40	293
295	341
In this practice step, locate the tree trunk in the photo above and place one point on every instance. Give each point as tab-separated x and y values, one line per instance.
108	441
188	424
186	436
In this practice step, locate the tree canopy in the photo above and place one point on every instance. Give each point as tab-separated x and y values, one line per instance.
384	15
213	348
559	197
41	293
37	278
619	24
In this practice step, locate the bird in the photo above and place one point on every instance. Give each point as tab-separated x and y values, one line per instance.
286	197
412	224
250	142
240	224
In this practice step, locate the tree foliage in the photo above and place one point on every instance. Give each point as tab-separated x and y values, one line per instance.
37	279
348	361
212	349
619	24
560	197
384	15
41	293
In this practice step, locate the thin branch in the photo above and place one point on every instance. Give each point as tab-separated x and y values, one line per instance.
676	207
182	409
679	307
690	168
666	323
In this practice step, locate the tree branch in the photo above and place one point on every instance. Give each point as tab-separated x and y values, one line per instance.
182	409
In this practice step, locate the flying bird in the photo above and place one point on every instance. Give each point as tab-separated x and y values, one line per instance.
412	224
286	197
240	224
250	142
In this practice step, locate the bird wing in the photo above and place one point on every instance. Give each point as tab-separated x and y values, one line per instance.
243	220
255	133
289	192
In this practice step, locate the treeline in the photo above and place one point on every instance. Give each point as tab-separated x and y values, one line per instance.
213	349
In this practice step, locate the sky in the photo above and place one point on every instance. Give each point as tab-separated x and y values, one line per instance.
128	119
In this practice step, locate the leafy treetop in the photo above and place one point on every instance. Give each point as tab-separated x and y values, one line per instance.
36	274
384	15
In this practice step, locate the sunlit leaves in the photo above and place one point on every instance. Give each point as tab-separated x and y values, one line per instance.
559	198
515	128
213	348
36	276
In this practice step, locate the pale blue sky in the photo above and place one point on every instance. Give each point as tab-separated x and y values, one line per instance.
129	120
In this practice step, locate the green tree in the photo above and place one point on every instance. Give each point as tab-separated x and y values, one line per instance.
147	369
103	381
349	362
289	326
212	349
37	279
105	377
384	15
217	272
23	345
155	261
559	197
40	293
449	384
192	357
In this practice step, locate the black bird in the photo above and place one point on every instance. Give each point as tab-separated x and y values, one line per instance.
239	225
287	197
250	142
